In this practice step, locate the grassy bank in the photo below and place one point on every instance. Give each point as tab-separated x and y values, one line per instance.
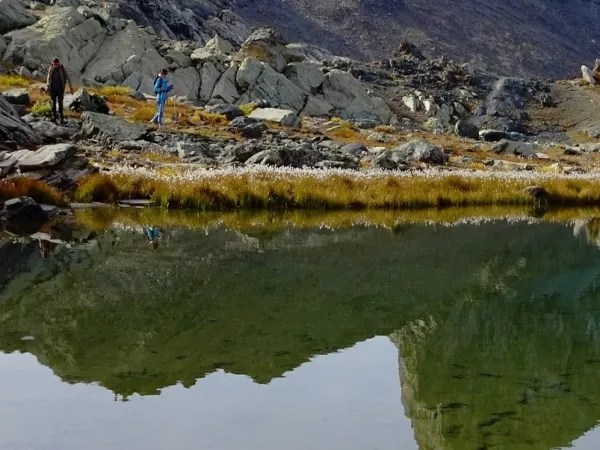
317	189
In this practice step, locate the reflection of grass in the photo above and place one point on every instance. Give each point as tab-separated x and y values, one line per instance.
102	219
28	187
264	190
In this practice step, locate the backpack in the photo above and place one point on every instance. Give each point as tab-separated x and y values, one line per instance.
156	89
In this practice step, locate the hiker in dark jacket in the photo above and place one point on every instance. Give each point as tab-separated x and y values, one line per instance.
55	85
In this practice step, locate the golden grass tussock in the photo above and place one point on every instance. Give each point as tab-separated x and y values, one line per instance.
159	157
112	91
248	108
264	190
385	129
209	118
9	81
143	113
28	187
41	109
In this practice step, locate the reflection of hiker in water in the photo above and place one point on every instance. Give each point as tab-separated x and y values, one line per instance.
46	248
153	234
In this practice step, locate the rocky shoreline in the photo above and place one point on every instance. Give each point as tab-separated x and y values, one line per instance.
262	102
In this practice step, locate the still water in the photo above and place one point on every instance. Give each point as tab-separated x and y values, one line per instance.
467	337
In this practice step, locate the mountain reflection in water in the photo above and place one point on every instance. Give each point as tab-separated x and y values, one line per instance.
496	325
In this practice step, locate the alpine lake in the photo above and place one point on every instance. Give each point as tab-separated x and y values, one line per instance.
462	330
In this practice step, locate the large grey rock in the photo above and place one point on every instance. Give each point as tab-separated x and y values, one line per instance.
52	132
186	82
351	101
13	129
298	52
420	150
48	156
128	57
316	107
62	33
82	100
229	111
226	90
588	75
191	149
209	75
214	50
283	117
498	135
593	131
266	45
301	156
109	129
466	129
307	76
523	149
197	20
13	16
6	166
263	83
354	149
17	96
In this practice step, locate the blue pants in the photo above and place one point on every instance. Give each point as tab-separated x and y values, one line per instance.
158	117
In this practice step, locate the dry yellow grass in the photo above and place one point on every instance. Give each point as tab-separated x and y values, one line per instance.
267	191
14	81
28	187
385	129
143	113
248	108
159	157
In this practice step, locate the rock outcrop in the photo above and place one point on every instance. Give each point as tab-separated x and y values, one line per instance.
14	16
13	131
108	129
62	33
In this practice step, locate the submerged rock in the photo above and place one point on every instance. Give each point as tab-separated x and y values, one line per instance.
22	216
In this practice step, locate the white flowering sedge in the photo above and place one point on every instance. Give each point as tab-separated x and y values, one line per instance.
287	173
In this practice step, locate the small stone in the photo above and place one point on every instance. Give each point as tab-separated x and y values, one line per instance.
354	149
573	151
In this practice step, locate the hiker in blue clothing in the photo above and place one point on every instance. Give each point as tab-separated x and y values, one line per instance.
161	89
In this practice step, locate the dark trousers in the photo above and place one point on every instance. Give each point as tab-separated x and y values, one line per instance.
57	103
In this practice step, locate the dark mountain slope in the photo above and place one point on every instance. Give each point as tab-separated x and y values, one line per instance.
511	37
517	37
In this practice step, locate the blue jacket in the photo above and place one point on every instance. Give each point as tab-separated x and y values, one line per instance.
161	89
